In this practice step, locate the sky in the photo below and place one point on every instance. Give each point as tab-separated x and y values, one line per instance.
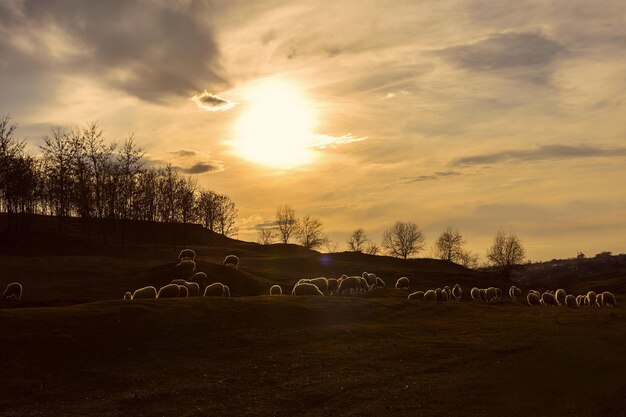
474	114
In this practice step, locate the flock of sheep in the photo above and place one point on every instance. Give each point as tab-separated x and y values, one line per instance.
345	285
189	287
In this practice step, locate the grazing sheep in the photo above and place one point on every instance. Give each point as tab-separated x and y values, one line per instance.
549	299
475	294
187	254
570	301
127	296
579	300
418	295
351	284
491	294
371	279
380	283
306	288
535	292
13	290
498	294
226	291
441	295
591	298
169	291
364	285
457	292
276	290
193	289
333	285
186	267
145	292
231	260
217	289
448	292
183	292
560	295
402	283
533	299
430	295
608	299
320	282
515	293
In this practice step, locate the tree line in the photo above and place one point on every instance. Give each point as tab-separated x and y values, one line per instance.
81	174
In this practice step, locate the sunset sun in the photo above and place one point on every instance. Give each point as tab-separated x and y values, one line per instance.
276	127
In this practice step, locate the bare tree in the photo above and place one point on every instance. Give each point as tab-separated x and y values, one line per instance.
357	240
331	246
449	245
403	240
286	222
506	251
310	232
372	248
266	235
468	259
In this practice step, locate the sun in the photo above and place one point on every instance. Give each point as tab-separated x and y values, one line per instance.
276	127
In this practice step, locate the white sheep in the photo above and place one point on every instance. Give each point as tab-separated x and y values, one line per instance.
430	295
533	299
13	290
560	296
306	288
579	300
187	254
127	296
380	283
276	290
371	279
217	289
333	285
169	291
600	300
591	298
475	294
491	294
349	284
457	292
232	261
608	299
186	267
418	295
402	283
441	295
193	289
364	285
320	282
515	293
448	291
548	299
145	292
570	301
483	295
183	291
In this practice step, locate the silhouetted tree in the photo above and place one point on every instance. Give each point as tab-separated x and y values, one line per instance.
310	232
506	251
468	259
357	240
403	240
286	223
372	248
449	245
266	235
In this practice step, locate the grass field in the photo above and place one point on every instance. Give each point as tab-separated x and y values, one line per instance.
287	356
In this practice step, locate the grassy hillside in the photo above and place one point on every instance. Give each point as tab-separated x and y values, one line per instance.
288	356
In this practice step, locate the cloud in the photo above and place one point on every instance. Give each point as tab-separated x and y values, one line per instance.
184	153
203	168
435	176
545	152
210	102
505	51
326	141
151	50
188	161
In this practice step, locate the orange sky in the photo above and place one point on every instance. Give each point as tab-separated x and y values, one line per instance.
475	114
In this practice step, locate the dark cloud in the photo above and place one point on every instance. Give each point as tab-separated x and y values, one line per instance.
546	152
210	102
435	176
504	51
184	153
149	49
202	168
266	225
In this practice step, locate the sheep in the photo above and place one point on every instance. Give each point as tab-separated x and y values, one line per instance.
187	254
457	292
217	289
183	292
441	295
200	278
498	294
491	294
533	299
364	285
514	293
380	283
591	298
560	295
306	288
402	283
418	295
570	301
448	292
371	279
127	296
193	289
320	282
186	267
475	294
579	300
13	290
145	292
548	299
430	295
232	261
333	285
276	290
169	291
608	299
349	284
226	291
